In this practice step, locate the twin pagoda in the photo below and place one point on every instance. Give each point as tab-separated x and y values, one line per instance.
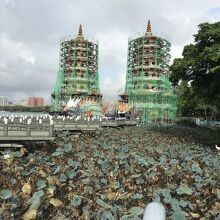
148	91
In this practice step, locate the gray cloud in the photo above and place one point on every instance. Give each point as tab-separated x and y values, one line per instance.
30	32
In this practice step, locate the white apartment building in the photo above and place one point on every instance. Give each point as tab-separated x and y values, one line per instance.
3	101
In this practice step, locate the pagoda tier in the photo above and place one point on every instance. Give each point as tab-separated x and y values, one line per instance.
148	88
78	71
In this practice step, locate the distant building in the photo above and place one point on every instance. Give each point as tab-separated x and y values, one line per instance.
10	103
31	102
39	101
35	102
3	101
24	102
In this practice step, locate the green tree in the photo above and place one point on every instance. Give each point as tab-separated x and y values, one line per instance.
186	100
199	70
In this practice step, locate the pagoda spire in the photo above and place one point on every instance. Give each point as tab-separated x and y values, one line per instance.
80	33
148	31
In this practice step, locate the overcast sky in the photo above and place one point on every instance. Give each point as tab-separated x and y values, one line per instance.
30	33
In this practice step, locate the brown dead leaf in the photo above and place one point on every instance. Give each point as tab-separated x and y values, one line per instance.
50	192
111	196
26	188
56	202
194	215
30	214
52	180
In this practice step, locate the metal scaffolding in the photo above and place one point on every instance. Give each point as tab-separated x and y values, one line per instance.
148	89
78	72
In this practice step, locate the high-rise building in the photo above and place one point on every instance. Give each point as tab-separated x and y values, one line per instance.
35	102
148	89
3	101
78	73
31	102
39	101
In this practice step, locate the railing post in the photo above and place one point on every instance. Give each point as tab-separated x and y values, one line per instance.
51	128
88	122
28	128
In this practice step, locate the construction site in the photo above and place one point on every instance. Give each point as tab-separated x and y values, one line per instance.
77	84
148	91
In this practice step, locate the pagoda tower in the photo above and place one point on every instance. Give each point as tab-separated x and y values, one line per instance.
78	72
148	90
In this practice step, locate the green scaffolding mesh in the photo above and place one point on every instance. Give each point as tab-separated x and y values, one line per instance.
78	72
150	93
